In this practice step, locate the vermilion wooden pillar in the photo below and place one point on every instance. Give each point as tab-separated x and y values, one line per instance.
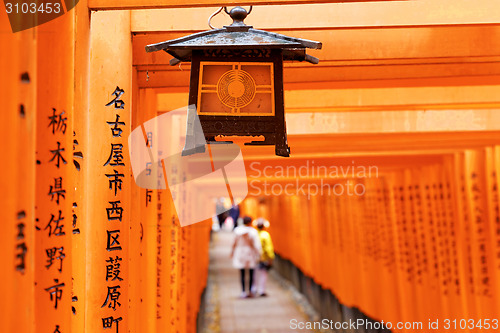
495	175
17	63
483	267
148	202
167	251
26	191
136	254
164	215
173	254
458	186
80	160
9	65
54	172
108	172
492	172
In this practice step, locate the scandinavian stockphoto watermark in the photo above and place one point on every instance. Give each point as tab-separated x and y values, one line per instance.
310	179
356	325
431	325
170	150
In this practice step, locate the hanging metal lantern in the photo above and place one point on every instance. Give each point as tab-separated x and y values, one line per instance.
237	79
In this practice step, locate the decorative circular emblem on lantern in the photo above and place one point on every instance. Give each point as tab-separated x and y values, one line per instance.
237	79
236	88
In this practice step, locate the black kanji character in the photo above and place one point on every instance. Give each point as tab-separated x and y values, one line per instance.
119	104
115	212
148	196
112	298
20	230
58	229
57	153
108	322
55	253
57	190
115	155
113	269
55	292
57	122
21	266
116	182
112	243
116	131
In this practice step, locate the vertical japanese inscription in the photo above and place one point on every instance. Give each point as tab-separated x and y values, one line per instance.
115	172
53	220
21	248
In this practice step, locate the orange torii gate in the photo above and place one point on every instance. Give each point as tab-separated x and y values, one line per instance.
420	245
86	250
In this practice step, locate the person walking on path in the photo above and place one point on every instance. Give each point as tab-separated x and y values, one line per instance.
267	256
246	252
234	212
221	212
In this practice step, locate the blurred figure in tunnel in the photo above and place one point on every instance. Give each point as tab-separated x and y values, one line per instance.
245	253
221	212
234	213
267	255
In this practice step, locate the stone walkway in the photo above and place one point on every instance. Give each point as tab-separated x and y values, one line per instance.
230	314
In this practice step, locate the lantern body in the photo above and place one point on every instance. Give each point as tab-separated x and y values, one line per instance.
240	93
237	81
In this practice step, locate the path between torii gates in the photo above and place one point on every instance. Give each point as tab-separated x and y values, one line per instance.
227	313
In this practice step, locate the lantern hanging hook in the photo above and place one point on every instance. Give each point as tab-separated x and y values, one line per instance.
211	17
248	13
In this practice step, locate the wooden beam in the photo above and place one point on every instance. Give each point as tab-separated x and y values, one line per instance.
372	45
251	154
331	99
370	148
164	76
336	97
255	164
380	143
383	142
357	54
156	4
327	15
401	121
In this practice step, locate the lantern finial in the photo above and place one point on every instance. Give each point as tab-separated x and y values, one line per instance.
238	14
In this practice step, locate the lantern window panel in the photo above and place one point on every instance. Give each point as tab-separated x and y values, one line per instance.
236	88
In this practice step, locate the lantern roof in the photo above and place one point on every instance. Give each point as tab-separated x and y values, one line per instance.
236	36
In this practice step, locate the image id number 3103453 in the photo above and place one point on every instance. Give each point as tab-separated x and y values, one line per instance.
484	324
33	7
